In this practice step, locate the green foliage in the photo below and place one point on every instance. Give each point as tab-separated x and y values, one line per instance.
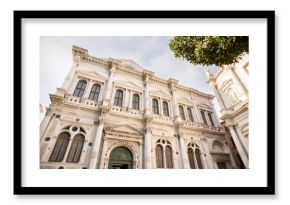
209	50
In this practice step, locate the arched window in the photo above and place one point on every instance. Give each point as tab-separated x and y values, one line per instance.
76	149
136	100
190	114
191	158
118	98
165	108
60	147
210	118
198	158
194	156
155	107
181	112
80	89
95	92
159	156
168	153
203	117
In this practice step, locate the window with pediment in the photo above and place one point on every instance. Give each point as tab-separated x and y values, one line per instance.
210	118
155	106
95	92
80	89
165	108
189	112
118	98
136	101
181	112
203	117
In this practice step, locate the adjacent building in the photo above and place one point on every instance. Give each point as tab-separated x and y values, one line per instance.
112	113
231	85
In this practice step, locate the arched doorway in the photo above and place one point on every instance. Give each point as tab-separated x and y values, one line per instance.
121	158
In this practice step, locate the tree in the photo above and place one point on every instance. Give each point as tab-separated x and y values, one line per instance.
209	50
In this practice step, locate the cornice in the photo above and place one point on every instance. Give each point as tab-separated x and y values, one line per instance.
85	57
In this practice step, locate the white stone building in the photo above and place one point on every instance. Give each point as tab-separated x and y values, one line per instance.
230	85
112	113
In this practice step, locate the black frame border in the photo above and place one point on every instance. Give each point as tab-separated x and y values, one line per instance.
17	123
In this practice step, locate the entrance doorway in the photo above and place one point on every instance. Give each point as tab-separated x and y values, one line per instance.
121	158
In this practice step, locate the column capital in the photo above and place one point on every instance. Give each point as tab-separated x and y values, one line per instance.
148	128
101	120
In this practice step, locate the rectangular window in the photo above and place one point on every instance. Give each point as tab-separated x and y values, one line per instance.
210	118
203	117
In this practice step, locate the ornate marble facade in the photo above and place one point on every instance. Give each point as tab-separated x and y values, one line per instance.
230	85
112	113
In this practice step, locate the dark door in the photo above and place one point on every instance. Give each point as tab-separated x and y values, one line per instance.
121	158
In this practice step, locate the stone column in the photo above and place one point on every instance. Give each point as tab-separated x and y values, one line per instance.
208	158
244	140
148	147
102	160
45	122
97	142
126	99
84	153
211	81
174	163
109	86
112	98
140	155
160	107
164	157
147	97
102	91
130	99
68	148
141	102
238	144
184	156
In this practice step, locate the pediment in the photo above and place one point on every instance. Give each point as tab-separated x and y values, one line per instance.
204	106
130	64
130	85
124	128
91	74
160	93
185	101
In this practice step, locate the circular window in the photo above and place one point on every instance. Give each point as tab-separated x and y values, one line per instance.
90	144
47	139
163	141
78	119
74	129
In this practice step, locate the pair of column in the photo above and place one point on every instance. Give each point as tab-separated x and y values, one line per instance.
96	145
240	147
109	87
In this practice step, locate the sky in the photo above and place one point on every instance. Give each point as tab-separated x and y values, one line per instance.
150	52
